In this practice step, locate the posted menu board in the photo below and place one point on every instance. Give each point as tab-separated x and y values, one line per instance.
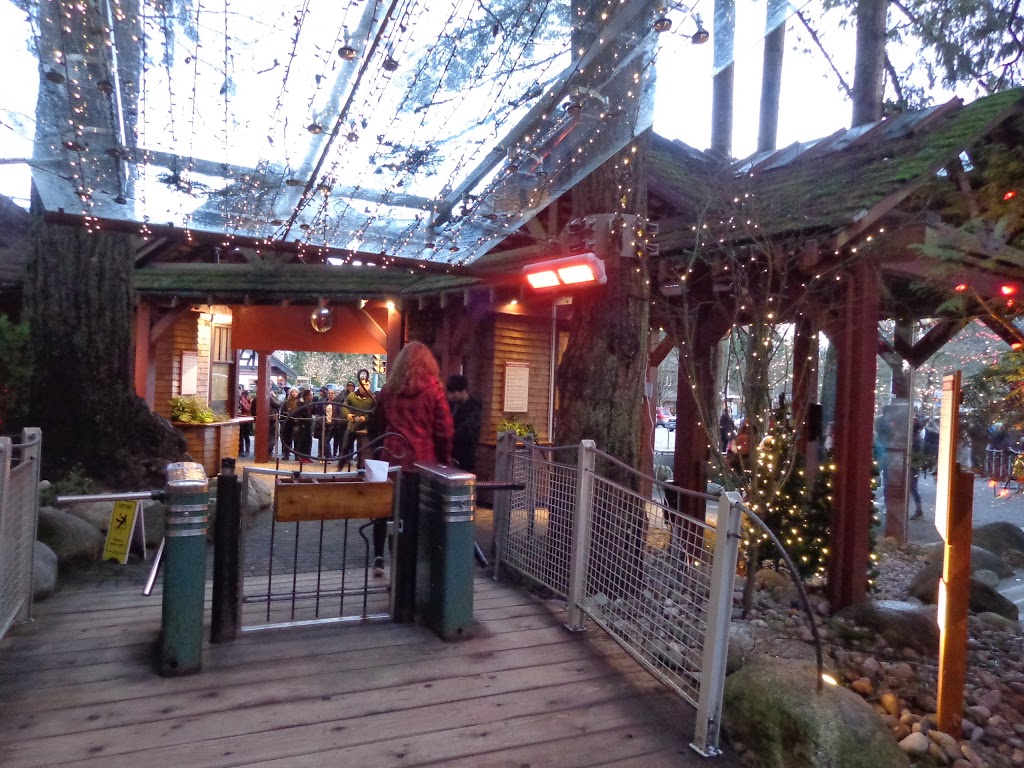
517	387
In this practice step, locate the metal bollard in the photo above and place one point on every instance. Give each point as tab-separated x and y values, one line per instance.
444	579
181	632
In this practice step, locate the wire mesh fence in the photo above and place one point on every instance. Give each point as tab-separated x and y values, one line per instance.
540	517
617	546
19	508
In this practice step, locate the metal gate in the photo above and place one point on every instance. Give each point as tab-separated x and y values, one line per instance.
655	579
19	509
309	560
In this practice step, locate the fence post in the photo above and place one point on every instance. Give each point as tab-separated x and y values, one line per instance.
579	552
504	458
32	439
716	636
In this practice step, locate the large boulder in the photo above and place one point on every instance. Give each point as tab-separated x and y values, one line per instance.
97	513
902	625
1000	538
774	711
71	539
259	495
44	571
981	559
983	598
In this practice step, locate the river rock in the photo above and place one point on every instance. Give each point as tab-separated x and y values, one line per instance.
1000	538
44	571
71	538
902	624
981	559
776	711
925	587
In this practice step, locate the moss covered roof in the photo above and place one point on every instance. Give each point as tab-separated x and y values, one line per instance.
832	183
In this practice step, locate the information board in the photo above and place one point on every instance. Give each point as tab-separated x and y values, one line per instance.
517	388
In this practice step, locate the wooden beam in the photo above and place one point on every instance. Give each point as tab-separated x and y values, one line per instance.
936	337
660	352
1003	329
166	321
379	334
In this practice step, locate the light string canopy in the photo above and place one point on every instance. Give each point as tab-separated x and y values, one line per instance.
370	131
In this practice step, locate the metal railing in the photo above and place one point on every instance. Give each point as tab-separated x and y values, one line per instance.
657	580
19	511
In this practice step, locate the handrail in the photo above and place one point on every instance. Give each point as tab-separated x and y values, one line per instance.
795	577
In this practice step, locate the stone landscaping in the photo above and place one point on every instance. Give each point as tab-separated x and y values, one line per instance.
886	651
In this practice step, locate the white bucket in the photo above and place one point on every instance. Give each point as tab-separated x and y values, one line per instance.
376	471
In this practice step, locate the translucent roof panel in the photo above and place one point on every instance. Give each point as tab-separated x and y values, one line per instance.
424	129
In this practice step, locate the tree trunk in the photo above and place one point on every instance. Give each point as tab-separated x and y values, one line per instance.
725	71
869	70
79	302
771	76
602	373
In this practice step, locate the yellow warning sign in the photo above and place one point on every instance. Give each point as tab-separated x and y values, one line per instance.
123	519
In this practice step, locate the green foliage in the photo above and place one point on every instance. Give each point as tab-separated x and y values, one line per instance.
75	483
329	367
191	410
15	373
513	424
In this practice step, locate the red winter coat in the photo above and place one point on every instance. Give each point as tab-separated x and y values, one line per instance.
420	413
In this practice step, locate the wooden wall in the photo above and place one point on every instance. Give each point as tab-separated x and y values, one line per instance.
518	338
187	335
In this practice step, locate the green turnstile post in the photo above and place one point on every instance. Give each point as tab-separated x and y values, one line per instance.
181	631
444	577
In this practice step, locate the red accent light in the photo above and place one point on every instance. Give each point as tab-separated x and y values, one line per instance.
1007	290
961	287
1010	195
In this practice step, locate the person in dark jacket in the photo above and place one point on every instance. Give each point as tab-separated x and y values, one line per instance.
467	414
413	415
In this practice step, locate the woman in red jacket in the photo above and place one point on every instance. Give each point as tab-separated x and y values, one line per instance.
412	412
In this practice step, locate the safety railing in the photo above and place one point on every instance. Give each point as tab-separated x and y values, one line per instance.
657	580
19	510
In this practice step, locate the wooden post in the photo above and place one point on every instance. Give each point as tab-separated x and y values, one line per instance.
954	597
953	504
857	345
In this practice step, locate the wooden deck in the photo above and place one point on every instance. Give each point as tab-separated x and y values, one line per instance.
77	688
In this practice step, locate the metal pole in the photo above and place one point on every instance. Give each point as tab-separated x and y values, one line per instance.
226	609
716	637
579	552
503	469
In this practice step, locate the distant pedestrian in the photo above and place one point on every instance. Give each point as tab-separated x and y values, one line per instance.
245	428
467	413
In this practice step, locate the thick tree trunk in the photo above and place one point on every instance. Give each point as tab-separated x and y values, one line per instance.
79	302
771	75
869	71
725	72
602	373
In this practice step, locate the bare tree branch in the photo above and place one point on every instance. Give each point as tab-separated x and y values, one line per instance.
828	58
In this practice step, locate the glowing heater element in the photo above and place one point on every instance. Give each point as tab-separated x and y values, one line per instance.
581	269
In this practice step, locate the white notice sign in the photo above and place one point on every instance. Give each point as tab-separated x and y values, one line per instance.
189	373
517	387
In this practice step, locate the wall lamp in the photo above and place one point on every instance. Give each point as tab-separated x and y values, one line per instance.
581	269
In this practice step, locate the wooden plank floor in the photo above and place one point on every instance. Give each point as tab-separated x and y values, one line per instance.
77	688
